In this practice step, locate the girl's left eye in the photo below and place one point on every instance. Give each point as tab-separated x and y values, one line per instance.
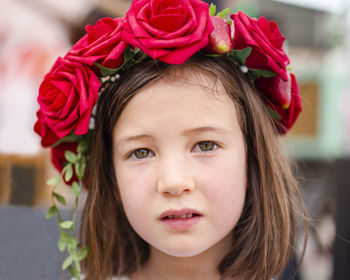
205	146
141	153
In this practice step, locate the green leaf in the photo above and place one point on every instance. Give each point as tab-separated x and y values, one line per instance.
128	54
51	211
70	156
82	253
229	22
59	198
77	264
67	262
106	71
80	169
82	147
74	272
77	170
68	172
241	55
69	138
66	237
262	73
212	9
224	13
61	244
273	113
54	181
64	240
76	188
67	225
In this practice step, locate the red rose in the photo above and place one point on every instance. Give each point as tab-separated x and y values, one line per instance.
102	43
48	137
170	30
276	89
58	158
288	116
265	40
66	98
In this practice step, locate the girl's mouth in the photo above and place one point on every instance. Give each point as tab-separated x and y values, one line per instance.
183	216
180	220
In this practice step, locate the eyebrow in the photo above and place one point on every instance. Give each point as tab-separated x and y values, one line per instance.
133	138
202	129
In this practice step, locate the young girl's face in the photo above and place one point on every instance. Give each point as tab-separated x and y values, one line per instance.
180	164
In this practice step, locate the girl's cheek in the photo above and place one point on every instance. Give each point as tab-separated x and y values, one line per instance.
225	176
134	181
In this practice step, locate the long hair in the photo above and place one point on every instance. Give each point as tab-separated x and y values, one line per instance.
264	236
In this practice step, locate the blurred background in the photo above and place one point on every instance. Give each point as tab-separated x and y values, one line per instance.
33	33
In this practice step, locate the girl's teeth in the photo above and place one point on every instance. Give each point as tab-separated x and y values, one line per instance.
184	216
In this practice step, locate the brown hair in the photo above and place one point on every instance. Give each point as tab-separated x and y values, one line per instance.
264	235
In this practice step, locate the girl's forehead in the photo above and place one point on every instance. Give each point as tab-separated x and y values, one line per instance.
177	105
201	90
189	74
191	79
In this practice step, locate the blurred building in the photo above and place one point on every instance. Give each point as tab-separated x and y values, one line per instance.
318	44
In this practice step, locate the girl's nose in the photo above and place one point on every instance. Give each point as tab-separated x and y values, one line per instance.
175	178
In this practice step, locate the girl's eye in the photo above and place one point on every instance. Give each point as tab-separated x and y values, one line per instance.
205	146
141	153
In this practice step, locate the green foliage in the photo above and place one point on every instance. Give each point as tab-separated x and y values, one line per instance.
82	147
68	139
64	240
59	198
67	225
76	188
67	262
51	212
68	172
257	73
273	114
212	9
70	157
224	13
68	237
82	253
106	71
128	55
54	181
241	55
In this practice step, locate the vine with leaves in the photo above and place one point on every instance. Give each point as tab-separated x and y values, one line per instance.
68	240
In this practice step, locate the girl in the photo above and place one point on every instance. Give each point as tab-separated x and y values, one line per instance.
185	176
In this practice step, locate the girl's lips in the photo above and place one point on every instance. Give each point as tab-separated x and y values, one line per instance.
181	213
182	219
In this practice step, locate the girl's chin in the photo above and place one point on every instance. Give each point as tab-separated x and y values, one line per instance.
180	251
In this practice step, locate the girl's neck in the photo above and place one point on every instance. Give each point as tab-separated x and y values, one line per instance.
203	266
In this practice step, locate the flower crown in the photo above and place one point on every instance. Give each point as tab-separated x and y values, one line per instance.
170	31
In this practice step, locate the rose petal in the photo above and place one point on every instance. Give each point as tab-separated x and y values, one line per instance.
168	23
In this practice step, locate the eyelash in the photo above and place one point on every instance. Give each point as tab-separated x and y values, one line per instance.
213	146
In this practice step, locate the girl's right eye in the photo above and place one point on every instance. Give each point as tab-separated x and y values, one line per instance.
141	153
